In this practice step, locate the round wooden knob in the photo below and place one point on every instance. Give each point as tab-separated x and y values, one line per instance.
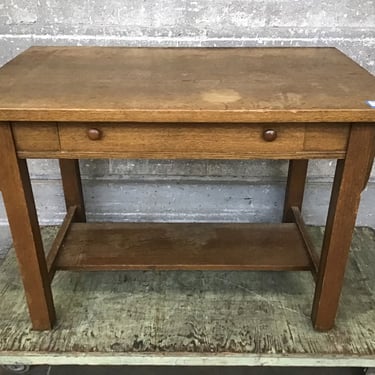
94	134
269	135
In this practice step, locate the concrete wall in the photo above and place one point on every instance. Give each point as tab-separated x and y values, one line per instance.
189	190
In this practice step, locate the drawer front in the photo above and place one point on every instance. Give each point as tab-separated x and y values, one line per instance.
36	136
182	140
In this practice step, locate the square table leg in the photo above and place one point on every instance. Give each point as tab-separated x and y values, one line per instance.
24	226
295	188
71	180
350	179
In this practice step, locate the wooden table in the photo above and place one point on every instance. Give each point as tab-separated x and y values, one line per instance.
276	103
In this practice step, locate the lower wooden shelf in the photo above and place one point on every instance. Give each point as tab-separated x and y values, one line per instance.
189	319
198	246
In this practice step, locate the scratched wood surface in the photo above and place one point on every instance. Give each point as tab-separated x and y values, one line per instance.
229	317
185	85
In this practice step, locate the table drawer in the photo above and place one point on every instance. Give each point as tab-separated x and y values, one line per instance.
233	141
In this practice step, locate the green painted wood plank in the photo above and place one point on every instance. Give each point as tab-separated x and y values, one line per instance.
193	317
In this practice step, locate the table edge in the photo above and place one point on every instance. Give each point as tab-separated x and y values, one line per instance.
193	116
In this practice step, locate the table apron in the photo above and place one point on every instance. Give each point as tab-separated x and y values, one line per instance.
180	140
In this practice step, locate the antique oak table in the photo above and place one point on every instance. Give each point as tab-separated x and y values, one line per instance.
73	103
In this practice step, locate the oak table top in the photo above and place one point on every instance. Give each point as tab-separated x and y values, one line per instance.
185	84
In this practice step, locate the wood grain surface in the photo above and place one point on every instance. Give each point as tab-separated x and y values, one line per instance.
180	140
202	246
23	222
72	186
192	317
36	136
350	177
185	84
295	188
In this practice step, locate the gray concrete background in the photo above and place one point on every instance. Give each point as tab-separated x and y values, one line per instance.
189	190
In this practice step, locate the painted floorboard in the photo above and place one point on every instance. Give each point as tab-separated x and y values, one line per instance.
193	317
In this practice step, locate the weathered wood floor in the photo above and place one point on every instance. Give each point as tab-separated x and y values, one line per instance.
193	317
